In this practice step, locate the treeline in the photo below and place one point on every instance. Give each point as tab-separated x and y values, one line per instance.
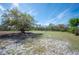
14	19
51	27
72	27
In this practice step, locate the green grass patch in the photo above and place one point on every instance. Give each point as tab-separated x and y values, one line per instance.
72	39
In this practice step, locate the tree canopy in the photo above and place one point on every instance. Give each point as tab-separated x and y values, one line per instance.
74	22
18	19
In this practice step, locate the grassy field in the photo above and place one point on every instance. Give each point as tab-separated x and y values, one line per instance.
50	42
73	40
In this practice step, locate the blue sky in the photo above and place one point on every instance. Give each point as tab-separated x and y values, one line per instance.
45	13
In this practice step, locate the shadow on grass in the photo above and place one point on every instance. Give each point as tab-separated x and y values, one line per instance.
19	37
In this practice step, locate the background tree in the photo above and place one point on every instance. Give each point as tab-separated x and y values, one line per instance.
62	27
50	27
74	23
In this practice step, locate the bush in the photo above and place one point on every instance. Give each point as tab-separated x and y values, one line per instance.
72	29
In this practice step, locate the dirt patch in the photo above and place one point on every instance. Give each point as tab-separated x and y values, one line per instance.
40	46
29	44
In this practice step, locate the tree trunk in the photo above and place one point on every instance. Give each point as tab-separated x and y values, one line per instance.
22	30
77	32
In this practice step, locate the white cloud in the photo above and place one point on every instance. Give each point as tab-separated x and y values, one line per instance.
62	14
59	16
15	5
29	10
32	12
2	8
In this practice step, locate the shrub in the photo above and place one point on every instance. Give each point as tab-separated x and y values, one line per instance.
72	29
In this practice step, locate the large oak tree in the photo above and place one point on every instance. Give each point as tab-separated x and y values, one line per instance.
21	21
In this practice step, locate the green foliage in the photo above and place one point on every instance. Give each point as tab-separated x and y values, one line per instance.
72	29
51	27
62	27
74	23
16	19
